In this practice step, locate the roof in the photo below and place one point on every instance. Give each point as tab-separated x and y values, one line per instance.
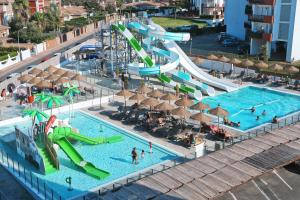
4	28
73	10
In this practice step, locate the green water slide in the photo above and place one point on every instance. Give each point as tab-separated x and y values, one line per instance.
76	158
49	166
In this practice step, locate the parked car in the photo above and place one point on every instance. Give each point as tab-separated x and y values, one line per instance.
45	59
12	75
230	42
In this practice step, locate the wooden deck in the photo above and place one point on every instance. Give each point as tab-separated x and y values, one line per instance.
209	176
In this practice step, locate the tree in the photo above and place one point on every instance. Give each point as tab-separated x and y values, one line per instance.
35	114
40	20
20	8
53	100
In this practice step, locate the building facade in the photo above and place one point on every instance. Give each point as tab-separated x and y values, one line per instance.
274	24
41	5
209	7
6	11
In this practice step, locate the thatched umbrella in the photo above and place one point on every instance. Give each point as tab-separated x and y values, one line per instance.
68	74
61	81
25	78
35	71
78	78
200	106
51	69
138	97
125	94
235	61
52	77
224	59
293	69
35	80
276	67
185	102
220	112
212	57
143	89
202	118
44	84
198	60
247	63
164	107
150	102
155	94
59	72
43	74
169	97
261	65
180	112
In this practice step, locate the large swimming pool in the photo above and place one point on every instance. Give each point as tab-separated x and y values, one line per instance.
239	103
114	158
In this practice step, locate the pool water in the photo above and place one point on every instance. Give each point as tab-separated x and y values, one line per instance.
239	103
114	158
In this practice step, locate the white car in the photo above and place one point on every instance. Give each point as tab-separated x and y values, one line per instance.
12	75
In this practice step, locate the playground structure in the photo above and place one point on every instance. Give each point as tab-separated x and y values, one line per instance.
145	49
40	146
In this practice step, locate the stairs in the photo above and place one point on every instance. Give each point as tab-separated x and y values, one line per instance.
49	167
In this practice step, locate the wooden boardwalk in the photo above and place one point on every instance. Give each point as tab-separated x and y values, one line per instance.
209	176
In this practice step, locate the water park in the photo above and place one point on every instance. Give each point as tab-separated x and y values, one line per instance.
126	105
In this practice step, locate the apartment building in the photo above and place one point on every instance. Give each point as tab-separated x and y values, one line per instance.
6	11
41	5
272	23
209	7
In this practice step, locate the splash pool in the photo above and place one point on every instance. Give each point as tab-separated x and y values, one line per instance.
239	103
114	158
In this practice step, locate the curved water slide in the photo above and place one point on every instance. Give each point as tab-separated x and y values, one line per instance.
148	66
188	64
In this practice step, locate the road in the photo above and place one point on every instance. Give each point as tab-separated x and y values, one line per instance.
281	184
21	66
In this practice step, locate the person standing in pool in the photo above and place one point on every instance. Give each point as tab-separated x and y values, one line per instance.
264	113
134	155
150	147
253	109
257	118
142	154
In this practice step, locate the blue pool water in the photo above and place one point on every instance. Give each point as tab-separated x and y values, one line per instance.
114	158
239	102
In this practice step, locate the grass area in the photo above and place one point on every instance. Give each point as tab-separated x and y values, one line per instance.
172	22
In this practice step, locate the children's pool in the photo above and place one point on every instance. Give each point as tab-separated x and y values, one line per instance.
114	158
239	103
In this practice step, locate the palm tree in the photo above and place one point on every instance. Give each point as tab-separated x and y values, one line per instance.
53	100
40	97
35	114
71	91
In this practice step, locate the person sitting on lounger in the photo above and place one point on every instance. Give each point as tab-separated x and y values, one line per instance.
275	120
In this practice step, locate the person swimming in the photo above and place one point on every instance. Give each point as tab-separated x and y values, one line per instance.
253	109
257	118
264	113
275	120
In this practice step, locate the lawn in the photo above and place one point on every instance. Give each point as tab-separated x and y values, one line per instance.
172	22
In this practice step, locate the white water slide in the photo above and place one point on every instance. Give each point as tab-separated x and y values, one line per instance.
193	69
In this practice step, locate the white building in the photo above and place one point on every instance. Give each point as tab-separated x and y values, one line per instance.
273	23
209	7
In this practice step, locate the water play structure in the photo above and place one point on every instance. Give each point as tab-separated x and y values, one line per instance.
163	63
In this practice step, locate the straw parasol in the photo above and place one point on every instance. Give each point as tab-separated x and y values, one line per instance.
185	102
181	112
277	67
169	97
235	61
25	78
35	71
125	94
212	57
43	74
198	60
150	102
61	80
202	118
59	72
44	84
155	94
143	89
224	59
199	106
138	97
51	69
247	63
218	111
52	77
293	69
164	106
68	74
261	65
78	77
34	80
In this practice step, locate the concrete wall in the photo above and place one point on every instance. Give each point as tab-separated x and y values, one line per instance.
25	54
235	17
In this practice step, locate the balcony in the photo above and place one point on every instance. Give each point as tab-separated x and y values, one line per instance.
262	19
267	37
247	25
248	10
261	35
263	2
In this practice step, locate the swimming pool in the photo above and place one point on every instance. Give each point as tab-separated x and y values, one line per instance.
239	103
114	158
